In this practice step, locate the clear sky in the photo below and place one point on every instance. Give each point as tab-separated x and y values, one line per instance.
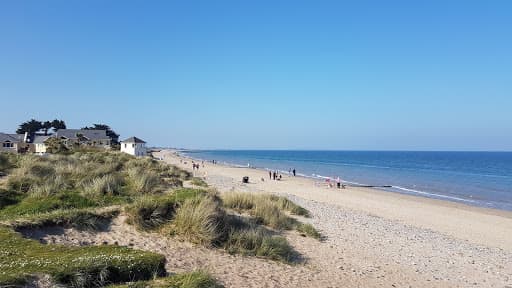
363	75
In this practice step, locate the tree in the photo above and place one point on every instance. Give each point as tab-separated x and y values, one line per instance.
58	124
47	125
55	145
31	127
110	133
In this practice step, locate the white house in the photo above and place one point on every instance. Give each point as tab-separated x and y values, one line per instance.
134	146
39	143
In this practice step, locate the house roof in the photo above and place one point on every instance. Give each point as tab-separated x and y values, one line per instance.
9	137
133	140
38	139
89	134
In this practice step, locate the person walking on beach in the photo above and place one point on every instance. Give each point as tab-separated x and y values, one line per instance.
270	175
338	182
293	172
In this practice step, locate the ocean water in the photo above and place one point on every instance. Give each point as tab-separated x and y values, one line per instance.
475	178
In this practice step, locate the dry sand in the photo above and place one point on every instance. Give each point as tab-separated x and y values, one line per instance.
373	239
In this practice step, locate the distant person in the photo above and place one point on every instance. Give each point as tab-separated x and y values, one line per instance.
270	175
338	182
280	176
293	172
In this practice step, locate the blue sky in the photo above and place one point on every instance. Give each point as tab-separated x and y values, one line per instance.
358	75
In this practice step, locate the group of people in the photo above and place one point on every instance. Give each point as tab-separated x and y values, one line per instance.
339	185
195	166
274	175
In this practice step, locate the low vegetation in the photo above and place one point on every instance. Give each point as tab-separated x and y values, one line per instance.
197	279
75	266
198	182
85	190
270	210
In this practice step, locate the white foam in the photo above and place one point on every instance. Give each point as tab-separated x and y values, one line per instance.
433	194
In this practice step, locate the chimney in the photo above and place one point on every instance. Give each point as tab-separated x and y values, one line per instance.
26	139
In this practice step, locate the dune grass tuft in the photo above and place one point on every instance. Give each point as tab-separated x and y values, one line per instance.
150	212
198	182
256	241
196	279
308	230
201	221
269	209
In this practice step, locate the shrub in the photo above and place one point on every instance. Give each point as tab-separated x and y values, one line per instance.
150	212
200	221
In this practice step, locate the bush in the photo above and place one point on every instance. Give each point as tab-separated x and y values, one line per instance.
200	221
150	212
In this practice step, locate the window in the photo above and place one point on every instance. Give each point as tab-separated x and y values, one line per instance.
133	145
125	145
8	145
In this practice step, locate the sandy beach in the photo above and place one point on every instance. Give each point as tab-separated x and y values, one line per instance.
374	238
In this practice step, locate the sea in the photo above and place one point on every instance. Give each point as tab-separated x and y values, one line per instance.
476	178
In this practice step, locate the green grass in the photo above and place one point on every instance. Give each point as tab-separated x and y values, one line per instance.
256	241
247	201
270	210
308	230
196	279
77	266
198	182
150	212
8	197
38	205
82	219
201	221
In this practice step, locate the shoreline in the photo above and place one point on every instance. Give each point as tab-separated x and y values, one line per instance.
446	203
479	225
